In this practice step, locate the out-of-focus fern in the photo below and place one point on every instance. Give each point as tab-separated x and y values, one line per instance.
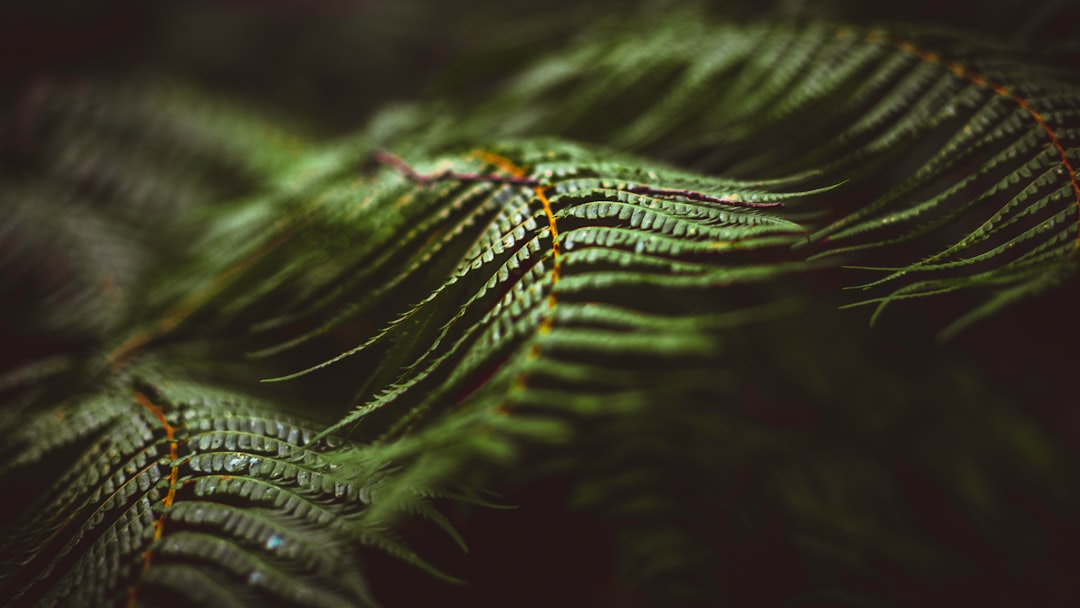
554	277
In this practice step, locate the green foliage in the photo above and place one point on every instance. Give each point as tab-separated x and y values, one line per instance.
573	292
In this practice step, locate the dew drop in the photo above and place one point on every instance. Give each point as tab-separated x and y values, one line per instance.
235	464
273	542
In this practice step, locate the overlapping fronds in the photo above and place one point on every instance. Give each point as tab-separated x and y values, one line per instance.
555	270
171	491
962	158
536	263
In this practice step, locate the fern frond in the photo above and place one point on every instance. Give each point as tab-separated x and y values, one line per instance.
932	134
517	263
220	481
548	276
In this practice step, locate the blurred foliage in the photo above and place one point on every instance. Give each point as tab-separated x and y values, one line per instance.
801	458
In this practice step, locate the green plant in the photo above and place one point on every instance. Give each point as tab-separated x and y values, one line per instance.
547	280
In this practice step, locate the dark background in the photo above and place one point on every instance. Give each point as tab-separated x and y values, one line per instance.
331	62
328	64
